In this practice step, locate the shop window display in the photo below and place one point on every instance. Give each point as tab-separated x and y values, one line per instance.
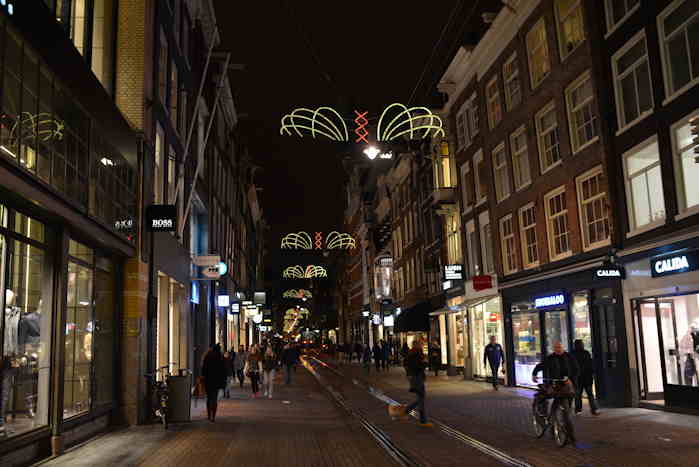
556	329
487	321
526	331
682	367
25	310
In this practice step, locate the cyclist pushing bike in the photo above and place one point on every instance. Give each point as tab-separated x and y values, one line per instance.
560	372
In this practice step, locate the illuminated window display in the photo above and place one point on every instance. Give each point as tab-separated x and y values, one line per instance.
526	331
486	321
383	272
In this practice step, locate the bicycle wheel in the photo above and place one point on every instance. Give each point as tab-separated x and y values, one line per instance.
560	430
538	422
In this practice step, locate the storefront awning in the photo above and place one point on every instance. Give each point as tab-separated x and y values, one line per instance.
415	319
463	305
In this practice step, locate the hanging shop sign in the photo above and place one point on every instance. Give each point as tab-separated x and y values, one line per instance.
224	300
376	319
246	302
235	309
365	313
547	301
124	225
260	298
388	321
161	217
609	271
482	282
454	272
446	285
674	263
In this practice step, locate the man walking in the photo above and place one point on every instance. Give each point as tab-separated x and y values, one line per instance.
288	360
585	379
239	364
494	356
415	367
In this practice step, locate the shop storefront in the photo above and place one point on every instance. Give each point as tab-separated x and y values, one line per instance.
486	321
413	324
585	305
449	331
172	340
663	304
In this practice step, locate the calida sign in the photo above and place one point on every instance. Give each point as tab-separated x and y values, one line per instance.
674	263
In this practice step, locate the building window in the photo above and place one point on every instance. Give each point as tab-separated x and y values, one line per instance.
502	178
453	238
162	69
174	94
103	42
557	220
462	137
159	167
520	158
507	236
472	245
571	27
527	229
594	209
618	10
538	53
77	22
632	82
686	168
466	186
644	186
467	122
547	136
442	169
473	116
487	248
513	88
171	176
481	173
582	115
678	28
492	93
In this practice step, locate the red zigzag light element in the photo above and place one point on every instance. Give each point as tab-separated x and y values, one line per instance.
360	131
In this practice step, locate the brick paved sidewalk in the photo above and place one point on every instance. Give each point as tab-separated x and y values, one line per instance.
307	431
619	437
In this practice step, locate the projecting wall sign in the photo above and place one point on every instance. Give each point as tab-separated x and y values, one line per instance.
161	217
454	272
302	241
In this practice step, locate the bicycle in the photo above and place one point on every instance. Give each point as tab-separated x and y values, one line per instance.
161	392
558	416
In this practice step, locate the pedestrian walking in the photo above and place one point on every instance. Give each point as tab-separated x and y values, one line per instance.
377	352
214	374
385	354
253	368
359	350
415	366
228	361
494	356
269	367
366	359
435	358
586	378
239	365
288	359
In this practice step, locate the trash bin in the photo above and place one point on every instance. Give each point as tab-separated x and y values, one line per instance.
180	398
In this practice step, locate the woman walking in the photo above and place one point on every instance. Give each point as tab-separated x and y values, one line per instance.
214	373
239	365
269	366
252	369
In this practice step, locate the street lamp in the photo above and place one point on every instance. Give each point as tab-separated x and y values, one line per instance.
371	152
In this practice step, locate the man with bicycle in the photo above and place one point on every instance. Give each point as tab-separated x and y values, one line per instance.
559	365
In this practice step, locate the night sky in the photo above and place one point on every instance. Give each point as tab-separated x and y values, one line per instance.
347	55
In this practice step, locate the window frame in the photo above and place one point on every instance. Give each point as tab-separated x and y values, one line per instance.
478	157
507	242
680	189
462	136
493	83
564	53
514	76
579	180
523	236
541	22
503	170
486	253
550	107
576	84
611	26
474	257
549	231
616	77
664	56
522	130
465	171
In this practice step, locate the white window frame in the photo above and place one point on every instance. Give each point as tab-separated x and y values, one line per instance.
491	99
611	25
594	172
574	144
671	95
506	80
508	245
535	84
462	134
474	267
549	219
633	230
540	134
623	126
486	253
565	53
478	158
465	194
453	233
684	211
473	115
519	157
499	171
523	236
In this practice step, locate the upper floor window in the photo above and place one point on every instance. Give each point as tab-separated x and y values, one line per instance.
520	158
557	224
500	173
507	236
678	28
582	114
443	171
594	209
480	173
547	136
686	168
513	88
618	10
527	229
538	53
644	186
162	69
159	166
487	248
103	38
492	93
632	82
174	94
462	136
472	246
571	27
467	122
453	239
466	186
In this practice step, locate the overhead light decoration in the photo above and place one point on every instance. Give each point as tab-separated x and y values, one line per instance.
297	241
316	122
315	271
337	240
361	131
293	272
42	126
420	121
310	272
300	293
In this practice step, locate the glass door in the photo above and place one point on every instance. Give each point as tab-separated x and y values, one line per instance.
668	327
650	349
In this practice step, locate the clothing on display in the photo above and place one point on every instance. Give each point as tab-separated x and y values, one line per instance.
690	371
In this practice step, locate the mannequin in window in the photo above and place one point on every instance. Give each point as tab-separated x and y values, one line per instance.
30	329
8	366
690	370
694	330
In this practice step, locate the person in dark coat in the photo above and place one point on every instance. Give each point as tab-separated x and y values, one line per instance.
289	358
494	356
415	367
378	355
214	372
435	358
586	378
228	363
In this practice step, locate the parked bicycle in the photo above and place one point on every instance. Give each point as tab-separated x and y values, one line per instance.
161	393
558	416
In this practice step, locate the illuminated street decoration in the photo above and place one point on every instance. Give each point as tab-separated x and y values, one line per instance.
41	125
293	272
316	122
297	241
337	240
300	293
319	240
416	119
361	131
315	271
298	272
